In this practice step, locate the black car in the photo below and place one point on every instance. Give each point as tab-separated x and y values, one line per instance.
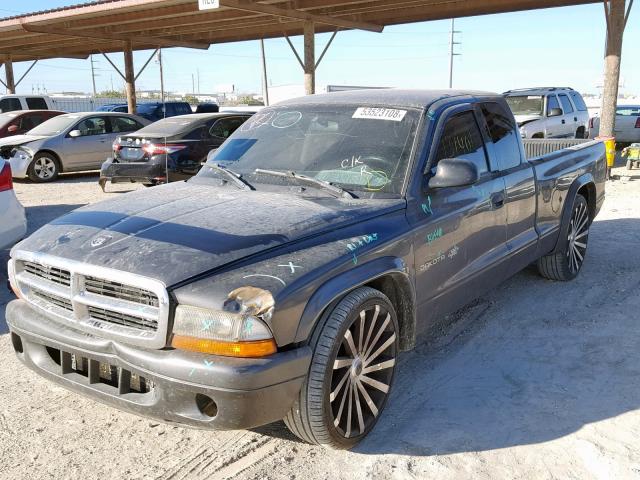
168	150
208	108
155	111
113	107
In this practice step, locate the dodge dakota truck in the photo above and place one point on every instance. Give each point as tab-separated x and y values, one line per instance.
315	245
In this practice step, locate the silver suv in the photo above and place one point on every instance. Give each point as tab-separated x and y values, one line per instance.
549	112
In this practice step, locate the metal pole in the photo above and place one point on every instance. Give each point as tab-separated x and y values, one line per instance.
161	75
93	77
129	74
8	68
193	84
265	85
451	53
309	58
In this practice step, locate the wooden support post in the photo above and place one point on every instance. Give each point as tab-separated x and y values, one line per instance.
309	58
10	82
614	11
130	77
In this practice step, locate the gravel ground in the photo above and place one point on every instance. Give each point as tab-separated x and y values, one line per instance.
535	380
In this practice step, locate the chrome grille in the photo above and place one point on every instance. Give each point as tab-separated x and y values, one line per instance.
118	290
55	275
122	319
98	300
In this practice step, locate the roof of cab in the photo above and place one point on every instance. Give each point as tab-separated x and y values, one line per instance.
387	96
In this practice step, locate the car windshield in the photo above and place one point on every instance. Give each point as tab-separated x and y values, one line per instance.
359	148
55	125
624	111
6	118
525	104
168	127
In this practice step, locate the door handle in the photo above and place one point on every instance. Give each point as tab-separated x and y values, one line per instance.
575	119
563	122
497	200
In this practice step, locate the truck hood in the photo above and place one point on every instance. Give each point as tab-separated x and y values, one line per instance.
524	119
175	231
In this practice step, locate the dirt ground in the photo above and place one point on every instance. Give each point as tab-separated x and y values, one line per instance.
535	380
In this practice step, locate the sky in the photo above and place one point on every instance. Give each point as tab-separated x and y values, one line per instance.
549	47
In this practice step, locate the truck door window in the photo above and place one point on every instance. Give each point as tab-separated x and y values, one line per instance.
552	102
566	104
502	132
10	104
36	103
578	102
461	139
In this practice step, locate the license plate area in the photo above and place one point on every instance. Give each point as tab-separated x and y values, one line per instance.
131	153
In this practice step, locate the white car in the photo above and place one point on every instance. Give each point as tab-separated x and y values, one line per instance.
550	112
627	129
13	221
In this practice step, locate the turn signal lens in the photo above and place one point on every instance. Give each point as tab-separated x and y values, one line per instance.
257	348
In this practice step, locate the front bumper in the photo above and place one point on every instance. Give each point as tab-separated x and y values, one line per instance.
20	164
246	392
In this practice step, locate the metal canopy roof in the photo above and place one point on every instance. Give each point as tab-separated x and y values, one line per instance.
80	30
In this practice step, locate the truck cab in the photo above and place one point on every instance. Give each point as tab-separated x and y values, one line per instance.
10	103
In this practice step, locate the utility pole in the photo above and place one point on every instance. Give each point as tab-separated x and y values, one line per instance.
193	84
265	88
452	42
93	76
161	75
198	72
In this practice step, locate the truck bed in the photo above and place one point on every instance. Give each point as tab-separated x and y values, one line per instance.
538	147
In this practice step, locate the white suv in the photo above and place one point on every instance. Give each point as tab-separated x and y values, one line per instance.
552	112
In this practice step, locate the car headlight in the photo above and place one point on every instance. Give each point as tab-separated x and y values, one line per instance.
23	153
236	331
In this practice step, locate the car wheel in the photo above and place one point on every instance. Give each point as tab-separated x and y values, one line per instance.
629	164
43	168
566	263
351	373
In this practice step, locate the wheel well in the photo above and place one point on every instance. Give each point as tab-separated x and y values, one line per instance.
538	135
54	155
398	289
580	132
588	191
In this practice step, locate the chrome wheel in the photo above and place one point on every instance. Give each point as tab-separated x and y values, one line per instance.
363	371
44	168
577	237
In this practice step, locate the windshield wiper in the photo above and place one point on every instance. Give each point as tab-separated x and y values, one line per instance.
328	186
236	178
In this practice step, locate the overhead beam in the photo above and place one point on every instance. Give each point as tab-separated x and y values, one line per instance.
93	34
26	73
250	6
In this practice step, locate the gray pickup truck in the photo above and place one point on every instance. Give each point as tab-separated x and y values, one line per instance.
283	280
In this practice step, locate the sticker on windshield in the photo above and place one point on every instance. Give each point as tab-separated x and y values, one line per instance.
380	113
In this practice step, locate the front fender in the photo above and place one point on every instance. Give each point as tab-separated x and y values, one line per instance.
325	297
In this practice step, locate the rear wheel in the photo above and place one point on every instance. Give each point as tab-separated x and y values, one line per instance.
351	372
566	263
44	168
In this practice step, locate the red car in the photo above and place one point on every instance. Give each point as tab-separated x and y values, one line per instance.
19	122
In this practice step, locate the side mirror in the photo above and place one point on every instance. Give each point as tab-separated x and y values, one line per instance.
75	133
555	112
12	129
454	172
211	153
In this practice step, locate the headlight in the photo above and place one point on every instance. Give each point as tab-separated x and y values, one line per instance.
23	153
236	331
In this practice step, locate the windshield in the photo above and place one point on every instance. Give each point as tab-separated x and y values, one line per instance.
525	104
168	127
357	148
55	125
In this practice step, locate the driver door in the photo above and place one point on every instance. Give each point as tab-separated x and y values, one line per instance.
459	232
91	148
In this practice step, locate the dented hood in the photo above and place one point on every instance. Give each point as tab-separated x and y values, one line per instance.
173	232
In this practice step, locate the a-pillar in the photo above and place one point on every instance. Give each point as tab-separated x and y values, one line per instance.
309	58
10	81
129	77
615	17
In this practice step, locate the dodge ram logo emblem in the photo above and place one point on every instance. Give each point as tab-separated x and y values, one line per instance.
99	241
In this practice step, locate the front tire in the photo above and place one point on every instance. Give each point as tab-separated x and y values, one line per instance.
565	264
44	167
351	373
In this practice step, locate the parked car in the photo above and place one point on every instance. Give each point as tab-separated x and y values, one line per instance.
20	122
208	108
168	150
155	111
113	107
66	143
284	279
11	103
13	221
627	127
552	112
